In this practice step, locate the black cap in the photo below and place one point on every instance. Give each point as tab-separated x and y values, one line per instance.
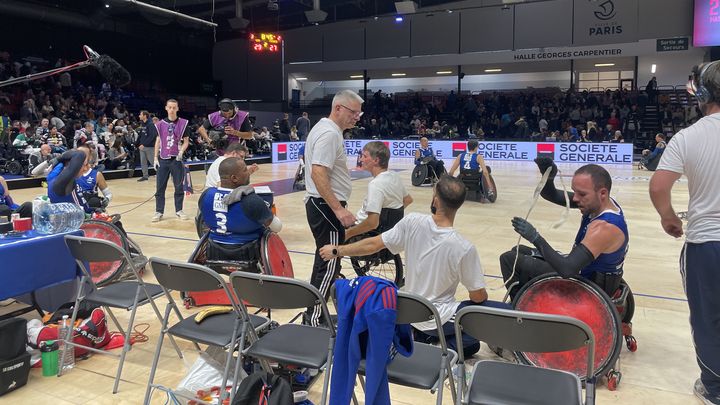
226	104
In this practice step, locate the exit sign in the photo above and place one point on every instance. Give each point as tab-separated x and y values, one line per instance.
672	44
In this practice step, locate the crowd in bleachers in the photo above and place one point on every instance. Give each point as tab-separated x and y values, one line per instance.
522	115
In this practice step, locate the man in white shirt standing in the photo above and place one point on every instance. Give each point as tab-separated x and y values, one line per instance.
694	152
385	190
238	150
438	259
328	187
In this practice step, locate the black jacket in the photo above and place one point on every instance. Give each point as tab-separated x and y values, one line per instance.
147	132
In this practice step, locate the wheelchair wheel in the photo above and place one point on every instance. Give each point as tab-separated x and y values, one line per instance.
104	273
13	167
628	310
419	174
274	256
490	197
579	299
200	226
382	264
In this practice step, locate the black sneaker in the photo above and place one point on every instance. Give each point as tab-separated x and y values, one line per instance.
143	179
702	393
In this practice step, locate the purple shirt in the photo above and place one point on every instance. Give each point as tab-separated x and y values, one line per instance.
219	122
171	134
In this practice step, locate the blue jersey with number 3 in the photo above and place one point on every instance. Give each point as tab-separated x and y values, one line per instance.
238	223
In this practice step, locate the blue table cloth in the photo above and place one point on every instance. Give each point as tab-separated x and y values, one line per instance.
35	261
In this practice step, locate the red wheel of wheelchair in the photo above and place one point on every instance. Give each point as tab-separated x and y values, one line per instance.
580	299
274	256
105	272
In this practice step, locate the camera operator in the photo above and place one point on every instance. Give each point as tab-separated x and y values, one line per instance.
226	126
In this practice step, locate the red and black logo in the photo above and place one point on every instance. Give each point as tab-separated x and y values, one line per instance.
458	148
282	151
546	150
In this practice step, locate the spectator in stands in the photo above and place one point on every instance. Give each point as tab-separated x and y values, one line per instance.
116	155
146	143
293	134
651	90
618	137
55	140
303	126
43	129
285	125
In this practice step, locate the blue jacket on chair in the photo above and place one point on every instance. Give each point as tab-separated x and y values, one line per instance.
367	310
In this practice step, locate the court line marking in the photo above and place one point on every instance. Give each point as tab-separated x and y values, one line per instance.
659	297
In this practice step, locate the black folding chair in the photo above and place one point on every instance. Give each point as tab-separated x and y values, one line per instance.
219	330
128	295
495	382
289	344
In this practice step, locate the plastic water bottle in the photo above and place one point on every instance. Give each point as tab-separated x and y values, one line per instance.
65	329
51	218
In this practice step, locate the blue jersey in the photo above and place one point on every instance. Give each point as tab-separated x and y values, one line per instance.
238	223
606	262
423	154
301	151
76	195
4	200
468	161
88	181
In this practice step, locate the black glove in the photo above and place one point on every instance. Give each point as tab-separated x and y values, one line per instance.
525	229
543	163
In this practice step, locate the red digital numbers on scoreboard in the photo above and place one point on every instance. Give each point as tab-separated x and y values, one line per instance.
264	42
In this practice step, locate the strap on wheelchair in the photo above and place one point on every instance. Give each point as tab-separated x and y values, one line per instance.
609	282
228	258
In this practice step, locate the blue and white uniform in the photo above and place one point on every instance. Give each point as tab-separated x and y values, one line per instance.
468	161
75	197
238	223
423	154
607	262
88	181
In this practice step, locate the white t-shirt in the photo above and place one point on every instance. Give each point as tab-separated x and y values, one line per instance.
386	190
695	152
212	178
325	147
438	259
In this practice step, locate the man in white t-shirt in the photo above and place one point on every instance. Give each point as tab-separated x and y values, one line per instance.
438	260
695	152
328	187
238	150
385	190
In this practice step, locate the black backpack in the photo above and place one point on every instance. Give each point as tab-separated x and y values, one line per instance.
263	388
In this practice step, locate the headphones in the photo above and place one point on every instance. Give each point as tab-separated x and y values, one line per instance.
702	93
224	103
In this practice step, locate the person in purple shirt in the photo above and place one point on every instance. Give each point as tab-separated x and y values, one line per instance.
171	143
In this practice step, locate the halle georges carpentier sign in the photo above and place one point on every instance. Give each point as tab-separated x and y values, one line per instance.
566	54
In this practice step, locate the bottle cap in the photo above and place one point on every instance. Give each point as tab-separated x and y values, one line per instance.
49	346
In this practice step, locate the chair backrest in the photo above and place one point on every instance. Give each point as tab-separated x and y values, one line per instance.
526	331
389	217
276	292
95	250
413	308
181	276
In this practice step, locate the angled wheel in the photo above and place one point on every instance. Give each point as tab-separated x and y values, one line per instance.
13	167
200	226
389	268
490	197
104	273
419	174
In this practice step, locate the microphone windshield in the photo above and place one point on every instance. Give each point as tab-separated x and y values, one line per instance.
111	70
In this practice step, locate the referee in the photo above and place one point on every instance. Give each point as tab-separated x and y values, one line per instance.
328	188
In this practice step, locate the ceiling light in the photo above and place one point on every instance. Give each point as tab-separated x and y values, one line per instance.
356	76
399	19
398	74
604	64
444	72
653	68
107	5
301	78
493	70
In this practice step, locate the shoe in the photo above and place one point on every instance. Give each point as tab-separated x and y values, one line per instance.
702	393
142	179
182	215
195	159
157	217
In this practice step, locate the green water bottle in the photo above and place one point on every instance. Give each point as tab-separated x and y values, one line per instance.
49	355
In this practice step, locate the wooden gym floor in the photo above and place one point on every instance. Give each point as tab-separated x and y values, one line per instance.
662	371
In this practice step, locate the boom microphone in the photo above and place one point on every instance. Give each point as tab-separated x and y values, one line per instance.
111	70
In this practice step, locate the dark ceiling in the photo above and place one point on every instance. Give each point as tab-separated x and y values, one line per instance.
260	14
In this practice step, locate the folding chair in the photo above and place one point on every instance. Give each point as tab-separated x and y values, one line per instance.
128	295
507	383
429	365
291	344
219	330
